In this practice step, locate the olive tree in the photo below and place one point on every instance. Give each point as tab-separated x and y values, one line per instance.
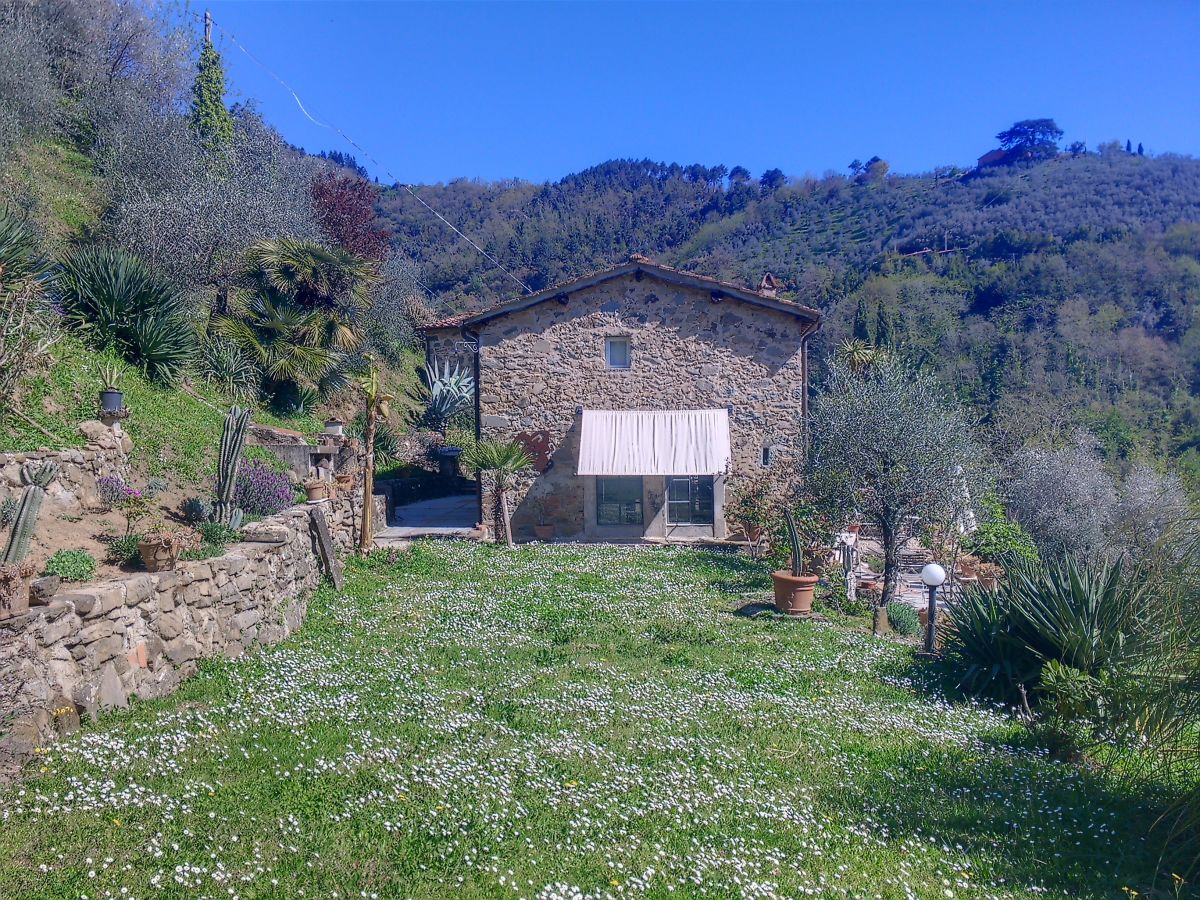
888	443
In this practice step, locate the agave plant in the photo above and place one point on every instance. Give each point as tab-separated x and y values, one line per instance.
114	298
442	394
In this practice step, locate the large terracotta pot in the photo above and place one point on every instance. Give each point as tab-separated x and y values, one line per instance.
794	593
156	557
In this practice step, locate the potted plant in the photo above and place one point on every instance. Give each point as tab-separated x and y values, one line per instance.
316	490
793	588
968	565
160	546
345	480
14	587
989	574
544	529
112	400
754	505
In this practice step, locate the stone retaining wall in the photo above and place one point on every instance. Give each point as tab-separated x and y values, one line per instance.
94	646
74	489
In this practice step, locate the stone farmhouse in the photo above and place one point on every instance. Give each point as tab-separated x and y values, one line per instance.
640	392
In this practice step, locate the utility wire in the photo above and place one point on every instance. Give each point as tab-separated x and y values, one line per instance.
362	150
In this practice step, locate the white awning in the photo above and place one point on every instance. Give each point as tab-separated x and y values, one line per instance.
634	442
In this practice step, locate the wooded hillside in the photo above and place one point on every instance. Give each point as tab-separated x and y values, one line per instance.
1069	296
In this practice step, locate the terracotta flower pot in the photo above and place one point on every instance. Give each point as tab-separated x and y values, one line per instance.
345	481
316	491
156	557
987	582
794	593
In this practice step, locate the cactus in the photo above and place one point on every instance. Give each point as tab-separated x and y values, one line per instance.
36	479
233	439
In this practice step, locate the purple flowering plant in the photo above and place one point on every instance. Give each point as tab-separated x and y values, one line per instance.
261	491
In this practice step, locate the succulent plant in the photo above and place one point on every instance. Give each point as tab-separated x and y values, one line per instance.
233	440
37	479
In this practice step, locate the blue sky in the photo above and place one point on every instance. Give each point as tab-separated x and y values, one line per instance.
499	90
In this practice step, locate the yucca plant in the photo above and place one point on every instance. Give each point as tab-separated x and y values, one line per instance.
228	368
28	324
120	304
503	461
1084	614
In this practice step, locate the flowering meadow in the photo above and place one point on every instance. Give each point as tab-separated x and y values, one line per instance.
564	722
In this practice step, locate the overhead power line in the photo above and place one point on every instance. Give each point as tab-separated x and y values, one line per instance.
209	21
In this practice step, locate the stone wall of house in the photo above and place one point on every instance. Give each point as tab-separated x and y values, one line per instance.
74	488
539	365
95	646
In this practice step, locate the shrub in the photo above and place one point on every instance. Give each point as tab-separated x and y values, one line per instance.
71	565
124	550
231	370
261	491
8	511
111	489
1083	614
196	510
903	619
214	538
120	304
155	486
998	537
216	534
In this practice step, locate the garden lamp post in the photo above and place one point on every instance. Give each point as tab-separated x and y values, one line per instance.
932	576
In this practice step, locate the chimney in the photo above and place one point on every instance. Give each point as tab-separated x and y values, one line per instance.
768	287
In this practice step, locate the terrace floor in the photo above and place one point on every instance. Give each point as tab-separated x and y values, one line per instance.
565	721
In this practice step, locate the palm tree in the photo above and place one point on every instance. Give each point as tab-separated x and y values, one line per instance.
377	408
296	313
503	461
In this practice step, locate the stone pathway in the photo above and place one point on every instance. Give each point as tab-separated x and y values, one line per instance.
445	517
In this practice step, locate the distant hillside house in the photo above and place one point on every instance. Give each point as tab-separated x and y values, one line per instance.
639	391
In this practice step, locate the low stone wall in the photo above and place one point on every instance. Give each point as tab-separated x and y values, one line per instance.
74	489
93	647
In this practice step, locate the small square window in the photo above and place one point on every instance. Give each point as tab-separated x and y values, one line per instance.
616	352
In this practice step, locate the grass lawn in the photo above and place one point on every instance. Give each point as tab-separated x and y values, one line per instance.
563	722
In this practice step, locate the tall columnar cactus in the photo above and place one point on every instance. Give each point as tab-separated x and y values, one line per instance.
36	479
233	439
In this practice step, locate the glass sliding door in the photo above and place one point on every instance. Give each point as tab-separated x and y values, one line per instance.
690	500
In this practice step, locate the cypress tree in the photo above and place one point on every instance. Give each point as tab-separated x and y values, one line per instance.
862	326
885	328
210	119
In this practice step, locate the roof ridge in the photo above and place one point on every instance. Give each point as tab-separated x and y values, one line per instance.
637	260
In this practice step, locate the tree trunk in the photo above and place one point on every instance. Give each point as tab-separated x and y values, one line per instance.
366	536
504	516
890	568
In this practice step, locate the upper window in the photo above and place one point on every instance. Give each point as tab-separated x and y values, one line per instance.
616	352
690	500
